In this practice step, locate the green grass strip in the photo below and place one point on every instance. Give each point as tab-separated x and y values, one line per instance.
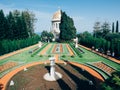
75	49
33	54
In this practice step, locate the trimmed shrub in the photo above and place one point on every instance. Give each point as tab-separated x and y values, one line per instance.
49	55
72	56
63	56
41	55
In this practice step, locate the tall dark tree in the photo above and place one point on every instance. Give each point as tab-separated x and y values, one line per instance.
11	26
112	83
2	25
67	28
24	31
113	27
45	36
117	27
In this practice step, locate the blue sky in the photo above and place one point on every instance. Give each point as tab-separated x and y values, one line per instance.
84	12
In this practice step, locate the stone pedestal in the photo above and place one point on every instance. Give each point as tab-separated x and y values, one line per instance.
39	44
76	42
52	68
52	76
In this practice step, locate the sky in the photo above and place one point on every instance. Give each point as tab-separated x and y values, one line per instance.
84	12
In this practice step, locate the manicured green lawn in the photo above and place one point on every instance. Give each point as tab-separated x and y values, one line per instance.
22	59
65	50
92	57
49	51
87	57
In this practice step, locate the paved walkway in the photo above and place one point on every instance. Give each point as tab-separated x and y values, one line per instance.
103	55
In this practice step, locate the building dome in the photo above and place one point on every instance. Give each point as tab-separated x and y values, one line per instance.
57	16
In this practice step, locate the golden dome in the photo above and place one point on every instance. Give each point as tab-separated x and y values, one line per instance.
56	16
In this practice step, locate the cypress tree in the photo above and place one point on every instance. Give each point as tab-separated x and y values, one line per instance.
2	25
117	27
67	28
11	33
24	32
113	27
17	19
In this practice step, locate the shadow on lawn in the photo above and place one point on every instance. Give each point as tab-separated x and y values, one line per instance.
81	84
86	74
61	83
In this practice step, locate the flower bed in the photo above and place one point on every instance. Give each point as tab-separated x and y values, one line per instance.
104	67
7	66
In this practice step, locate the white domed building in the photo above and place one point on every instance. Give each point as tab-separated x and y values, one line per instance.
56	19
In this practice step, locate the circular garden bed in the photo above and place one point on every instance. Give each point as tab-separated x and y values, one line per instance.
73	78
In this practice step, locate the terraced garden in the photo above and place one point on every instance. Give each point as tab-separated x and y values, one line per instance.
63	52
88	58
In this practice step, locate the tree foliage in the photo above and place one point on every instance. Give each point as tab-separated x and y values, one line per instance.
112	39
105	29
101	30
117	27
112	83
16	25
15	32
67	28
2	25
111	42
7	46
29	18
46	36
97	29
113	28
